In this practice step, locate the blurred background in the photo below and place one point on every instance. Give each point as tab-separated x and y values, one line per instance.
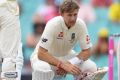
101	16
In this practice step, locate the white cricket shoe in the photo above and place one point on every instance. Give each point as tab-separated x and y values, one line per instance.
98	75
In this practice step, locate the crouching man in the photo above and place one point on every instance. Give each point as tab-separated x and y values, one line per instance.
53	57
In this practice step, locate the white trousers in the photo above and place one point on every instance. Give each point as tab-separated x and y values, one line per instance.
44	71
10	42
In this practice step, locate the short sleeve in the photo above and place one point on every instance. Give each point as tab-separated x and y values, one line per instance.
84	37
47	36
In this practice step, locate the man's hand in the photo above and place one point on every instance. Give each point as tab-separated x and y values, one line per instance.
72	69
61	71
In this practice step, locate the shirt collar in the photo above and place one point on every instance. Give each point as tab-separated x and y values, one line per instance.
64	25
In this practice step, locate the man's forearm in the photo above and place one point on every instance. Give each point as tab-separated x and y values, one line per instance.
47	57
85	54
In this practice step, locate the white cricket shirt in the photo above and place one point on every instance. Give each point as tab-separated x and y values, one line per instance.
59	40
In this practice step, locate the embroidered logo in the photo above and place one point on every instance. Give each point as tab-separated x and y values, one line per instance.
87	39
72	38
44	40
60	35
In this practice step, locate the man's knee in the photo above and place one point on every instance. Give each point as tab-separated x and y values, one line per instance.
41	66
88	66
42	71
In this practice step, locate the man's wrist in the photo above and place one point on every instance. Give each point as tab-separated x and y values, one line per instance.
76	60
59	64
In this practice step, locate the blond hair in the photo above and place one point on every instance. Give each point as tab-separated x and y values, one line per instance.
69	6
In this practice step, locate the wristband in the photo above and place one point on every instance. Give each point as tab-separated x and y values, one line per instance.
76	60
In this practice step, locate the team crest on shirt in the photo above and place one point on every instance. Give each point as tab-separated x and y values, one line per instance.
44	40
60	35
87	39
72	38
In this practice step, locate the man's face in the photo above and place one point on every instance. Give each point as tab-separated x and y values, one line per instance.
70	17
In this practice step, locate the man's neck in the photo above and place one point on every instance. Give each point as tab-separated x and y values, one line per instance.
68	26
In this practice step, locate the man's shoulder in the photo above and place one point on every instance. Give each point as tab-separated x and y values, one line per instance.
54	24
55	19
80	23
